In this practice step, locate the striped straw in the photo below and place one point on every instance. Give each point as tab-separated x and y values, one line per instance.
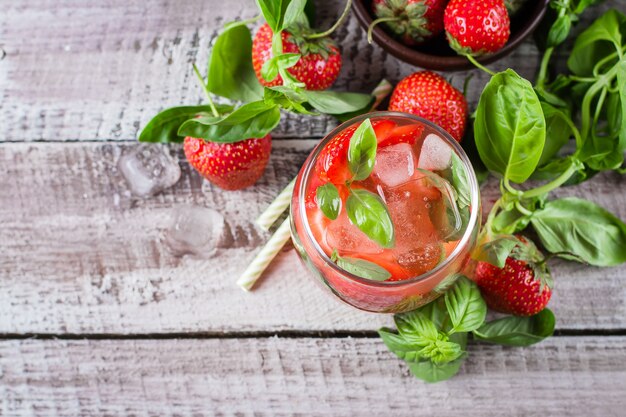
265	256
276	209
381	91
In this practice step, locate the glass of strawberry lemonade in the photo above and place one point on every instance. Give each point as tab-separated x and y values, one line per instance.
385	211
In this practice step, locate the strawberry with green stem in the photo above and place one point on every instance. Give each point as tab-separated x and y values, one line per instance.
413	21
297	57
231	166
477	27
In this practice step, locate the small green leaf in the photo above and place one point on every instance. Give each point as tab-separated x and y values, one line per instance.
559	30
558	132
252	120
333	102
362	151
460	182
328	200
496	251
163	128
431	372
363	268
441	351
582	228
269	70
399	346
517	331
465	305
230	72
294	13
368	212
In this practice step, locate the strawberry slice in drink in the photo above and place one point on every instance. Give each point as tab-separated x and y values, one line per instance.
402	134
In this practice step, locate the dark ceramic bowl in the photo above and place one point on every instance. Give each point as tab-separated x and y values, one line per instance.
436	54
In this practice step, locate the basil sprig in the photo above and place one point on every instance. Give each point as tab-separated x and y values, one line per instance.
361	267
432	340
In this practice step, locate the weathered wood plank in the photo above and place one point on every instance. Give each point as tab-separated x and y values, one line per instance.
565	376
80	254
82	70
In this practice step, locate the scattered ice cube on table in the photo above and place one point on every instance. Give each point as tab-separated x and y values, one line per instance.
395	165
342	235
195	231
436	154
149	169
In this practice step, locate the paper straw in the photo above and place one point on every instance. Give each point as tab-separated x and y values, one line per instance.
277	208
263	259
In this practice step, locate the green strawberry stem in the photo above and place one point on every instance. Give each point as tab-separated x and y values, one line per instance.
479	65
206	91
338	23
370	29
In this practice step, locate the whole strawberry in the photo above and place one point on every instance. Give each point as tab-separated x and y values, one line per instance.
413	21
430	96
318	68
522	287
476	27
231	166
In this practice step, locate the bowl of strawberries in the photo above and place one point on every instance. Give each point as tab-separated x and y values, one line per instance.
447	35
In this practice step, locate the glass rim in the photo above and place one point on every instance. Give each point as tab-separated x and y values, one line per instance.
474	198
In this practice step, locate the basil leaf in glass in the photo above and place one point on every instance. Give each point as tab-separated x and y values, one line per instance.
328	200
368	212
363	268
362	151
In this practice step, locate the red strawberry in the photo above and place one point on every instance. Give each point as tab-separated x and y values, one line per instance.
430	96
477	27
318	68
413	21
521	288
403	134
231	166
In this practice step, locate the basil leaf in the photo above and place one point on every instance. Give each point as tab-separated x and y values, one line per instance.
399	346
582	228
287	99
496	251
430	372
363	268
332	102
558	132
163	128
270	68
416	328
559	30
510	129
362	151
252	120
436	311
369	213
460	182
230	72
280	14
328	200
465	305
294	13
517	331
596	42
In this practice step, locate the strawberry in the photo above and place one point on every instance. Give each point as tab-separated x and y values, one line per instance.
318	68
413	21
402	134
231	166
332	162
522	287
430	96
477	27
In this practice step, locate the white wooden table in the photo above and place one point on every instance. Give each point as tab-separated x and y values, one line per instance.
98	317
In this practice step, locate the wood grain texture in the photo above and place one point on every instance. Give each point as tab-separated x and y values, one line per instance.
79	70
566	376
80	254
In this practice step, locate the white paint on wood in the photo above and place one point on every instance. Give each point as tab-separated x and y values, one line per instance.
564	376
79	254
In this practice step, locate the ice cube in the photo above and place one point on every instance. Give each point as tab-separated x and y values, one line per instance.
195	230
395	165
342	235
436	154
149	169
